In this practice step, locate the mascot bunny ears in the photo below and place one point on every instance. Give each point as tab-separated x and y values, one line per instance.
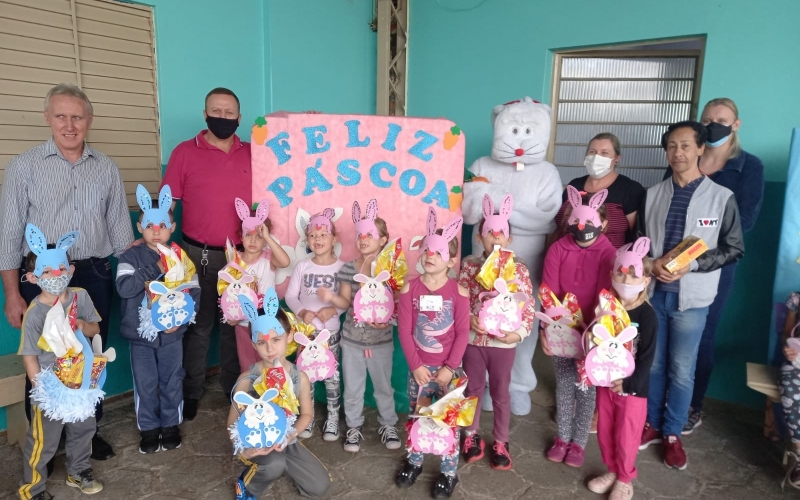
53	257
367	225
438	243
582	214
260	326
155	216
497	223
249	224
631	255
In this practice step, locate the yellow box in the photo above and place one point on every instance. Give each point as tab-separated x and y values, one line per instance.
687	250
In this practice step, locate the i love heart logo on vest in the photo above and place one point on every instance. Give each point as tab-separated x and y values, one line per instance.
708	222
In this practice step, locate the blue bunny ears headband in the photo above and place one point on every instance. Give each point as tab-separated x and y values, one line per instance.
53	257
155	216
262	325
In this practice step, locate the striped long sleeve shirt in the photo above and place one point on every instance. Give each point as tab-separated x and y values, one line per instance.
44	188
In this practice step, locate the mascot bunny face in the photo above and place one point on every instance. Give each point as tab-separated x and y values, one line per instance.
521	132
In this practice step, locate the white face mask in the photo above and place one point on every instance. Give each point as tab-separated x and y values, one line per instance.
598	166
626	291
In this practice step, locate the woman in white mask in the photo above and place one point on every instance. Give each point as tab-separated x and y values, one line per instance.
725	163
624	194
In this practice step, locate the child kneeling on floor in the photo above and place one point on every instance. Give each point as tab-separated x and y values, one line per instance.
271	335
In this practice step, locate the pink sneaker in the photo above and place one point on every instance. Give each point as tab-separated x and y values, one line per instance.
558	451
575	455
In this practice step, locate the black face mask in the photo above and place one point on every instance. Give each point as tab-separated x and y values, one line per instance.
222	128
588	233
717	132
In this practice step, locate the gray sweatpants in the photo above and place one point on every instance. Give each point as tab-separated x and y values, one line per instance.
355	365
41	445
574	407
307	472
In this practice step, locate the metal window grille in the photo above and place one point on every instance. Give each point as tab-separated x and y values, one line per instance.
634	96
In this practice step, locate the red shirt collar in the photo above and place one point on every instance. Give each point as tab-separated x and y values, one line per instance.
202	143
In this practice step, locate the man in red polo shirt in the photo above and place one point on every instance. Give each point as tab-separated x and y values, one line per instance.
207	173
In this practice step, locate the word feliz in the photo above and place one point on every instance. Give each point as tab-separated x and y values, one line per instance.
412	182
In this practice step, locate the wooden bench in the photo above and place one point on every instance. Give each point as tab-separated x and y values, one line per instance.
12	397
764	379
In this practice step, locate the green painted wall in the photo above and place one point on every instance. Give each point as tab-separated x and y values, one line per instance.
464	63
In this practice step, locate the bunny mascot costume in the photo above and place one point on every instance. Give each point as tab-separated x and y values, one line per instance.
517	166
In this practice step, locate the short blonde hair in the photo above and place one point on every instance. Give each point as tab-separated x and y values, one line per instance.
68	90
736	148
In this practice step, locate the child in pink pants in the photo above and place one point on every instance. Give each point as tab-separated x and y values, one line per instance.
487	354
622	408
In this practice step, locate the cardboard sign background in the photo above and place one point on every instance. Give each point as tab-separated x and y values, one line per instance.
304	163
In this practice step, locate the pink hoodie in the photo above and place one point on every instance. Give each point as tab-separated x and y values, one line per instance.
582	271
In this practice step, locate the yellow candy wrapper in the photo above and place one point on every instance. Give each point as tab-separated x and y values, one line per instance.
233	257
615	322
393	260
499	264
69	370
177	257
453	410
298	326
275	378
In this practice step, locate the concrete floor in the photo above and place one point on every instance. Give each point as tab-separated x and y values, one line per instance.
728	459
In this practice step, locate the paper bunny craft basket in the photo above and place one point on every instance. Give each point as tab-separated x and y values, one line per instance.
261	424
563	322
433	428
502	311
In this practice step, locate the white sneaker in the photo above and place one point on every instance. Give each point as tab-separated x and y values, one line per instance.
389	437
330	431
602	484
621	491
306	433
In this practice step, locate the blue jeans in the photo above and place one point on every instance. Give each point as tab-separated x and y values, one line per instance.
705	355
672	373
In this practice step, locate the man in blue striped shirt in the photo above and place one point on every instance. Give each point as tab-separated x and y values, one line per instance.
64	185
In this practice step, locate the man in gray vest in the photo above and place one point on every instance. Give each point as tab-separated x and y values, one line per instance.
65	185
686	204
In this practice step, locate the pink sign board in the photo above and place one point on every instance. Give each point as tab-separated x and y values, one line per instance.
304	163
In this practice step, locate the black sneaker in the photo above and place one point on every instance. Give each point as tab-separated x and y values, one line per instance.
444	486
352	442
170	438
408	476
100	449
189	409
501	458
151	441
473	448
43	496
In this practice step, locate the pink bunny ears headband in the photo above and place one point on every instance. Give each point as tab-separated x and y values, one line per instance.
438	243
631	256
249	224
581	214
497	223
366	226
320	220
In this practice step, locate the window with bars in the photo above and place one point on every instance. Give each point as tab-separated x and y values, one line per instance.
104	47
634	95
